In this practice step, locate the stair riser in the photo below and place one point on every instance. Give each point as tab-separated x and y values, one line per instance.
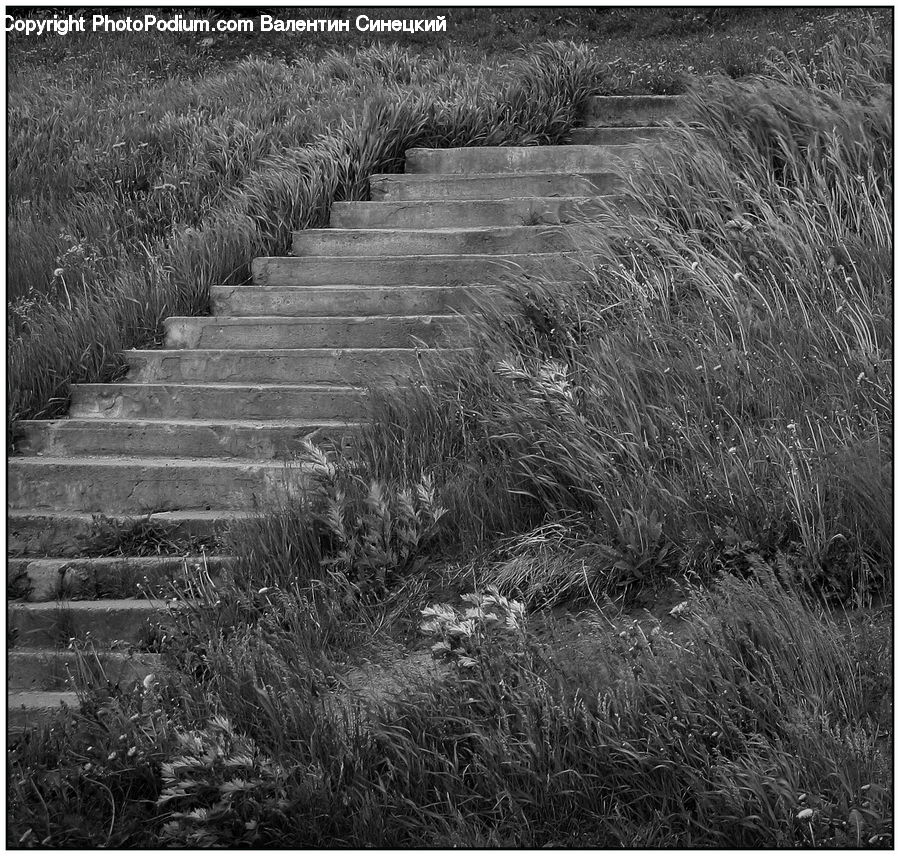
375	332
135	488
594	136
401	242
98	437
32	710
467	214
306	366
40	580
55	625
124	401
405	270
415	188
472	161
638	110
51	670
70	535
237	301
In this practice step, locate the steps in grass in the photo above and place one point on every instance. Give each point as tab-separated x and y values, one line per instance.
493	187
31	580
34	532
28	710
281	332
196	438
341	300
46	670
468	213
430	270
196	435
502	159
231	401
354	366
487	240
139	485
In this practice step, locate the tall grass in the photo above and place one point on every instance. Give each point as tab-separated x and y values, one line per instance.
719	378
154	205
747	723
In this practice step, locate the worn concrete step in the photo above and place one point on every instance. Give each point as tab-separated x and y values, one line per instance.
612	110
26	710
599	136
54	623
190	438
472	160
43	532
484	240
377	331
137	485
241	301
42	579
498	186
355	366
445	270
216	401
466	213
45	669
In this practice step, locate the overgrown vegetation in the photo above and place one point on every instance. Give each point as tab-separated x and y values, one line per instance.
704	407
152	205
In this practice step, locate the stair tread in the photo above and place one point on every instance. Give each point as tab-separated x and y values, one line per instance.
123	460
307	319
131	603
318	387
235	423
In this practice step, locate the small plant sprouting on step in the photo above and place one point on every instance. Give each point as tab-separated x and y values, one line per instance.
462	634
141	536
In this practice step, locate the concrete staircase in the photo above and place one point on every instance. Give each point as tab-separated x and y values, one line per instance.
200	431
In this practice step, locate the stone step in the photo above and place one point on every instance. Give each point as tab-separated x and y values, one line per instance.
599	136
498	186
43	579
54	623
189	438
138	485
472	160
613	110
406	270
466	213
241	301
32	670
377	331
488	240
215	401
41	532
356	366
26	710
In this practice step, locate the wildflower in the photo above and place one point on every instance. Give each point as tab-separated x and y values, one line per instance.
679	609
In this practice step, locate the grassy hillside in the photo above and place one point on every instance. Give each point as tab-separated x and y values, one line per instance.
145	167
703	427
